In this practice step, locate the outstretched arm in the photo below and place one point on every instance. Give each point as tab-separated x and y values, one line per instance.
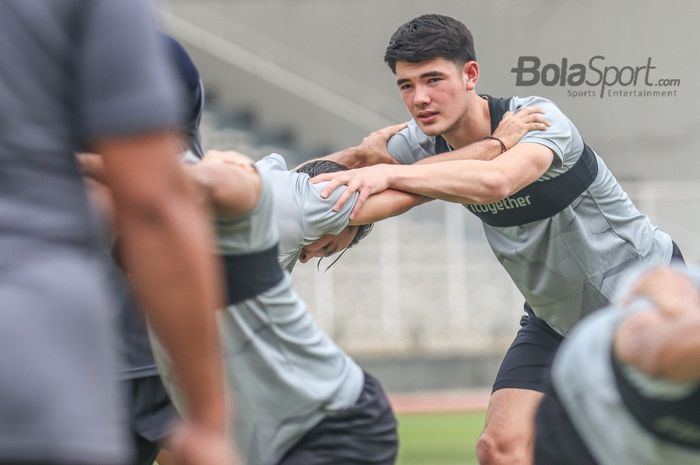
510	130
371	151
387	204
462	181
665	341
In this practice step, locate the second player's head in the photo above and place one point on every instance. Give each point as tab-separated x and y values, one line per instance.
330	244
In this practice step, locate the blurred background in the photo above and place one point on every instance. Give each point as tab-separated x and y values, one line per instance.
422	302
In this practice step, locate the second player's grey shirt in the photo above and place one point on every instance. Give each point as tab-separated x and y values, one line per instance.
568	265
288	375
301	215
583	377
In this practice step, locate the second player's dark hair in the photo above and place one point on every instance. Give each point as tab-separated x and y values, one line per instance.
316	167
430	36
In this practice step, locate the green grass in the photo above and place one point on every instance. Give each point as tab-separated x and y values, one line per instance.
439	439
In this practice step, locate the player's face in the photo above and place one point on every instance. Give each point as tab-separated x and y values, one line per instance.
435	93
327	245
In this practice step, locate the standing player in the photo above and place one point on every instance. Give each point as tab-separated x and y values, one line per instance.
553	214
91	73
626	384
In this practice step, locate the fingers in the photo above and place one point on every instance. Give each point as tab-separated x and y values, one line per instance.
345	196
333	184
364	194
393	129
382	136
525	111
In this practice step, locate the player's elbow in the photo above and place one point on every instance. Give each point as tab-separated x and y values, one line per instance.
495	186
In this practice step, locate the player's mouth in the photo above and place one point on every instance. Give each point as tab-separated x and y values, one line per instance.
427	117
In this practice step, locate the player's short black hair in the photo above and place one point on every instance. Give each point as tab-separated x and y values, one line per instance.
316	167
430	36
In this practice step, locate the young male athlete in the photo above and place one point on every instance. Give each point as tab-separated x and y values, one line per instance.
626	383
91	74
552	212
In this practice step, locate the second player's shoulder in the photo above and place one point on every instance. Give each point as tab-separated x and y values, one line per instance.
272	162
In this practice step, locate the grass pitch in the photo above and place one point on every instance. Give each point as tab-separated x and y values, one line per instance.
439	439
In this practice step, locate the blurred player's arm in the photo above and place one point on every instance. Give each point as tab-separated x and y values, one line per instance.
230	189
166	247
664	341
371	151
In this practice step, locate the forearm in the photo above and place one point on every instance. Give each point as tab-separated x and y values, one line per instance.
351	157
387	204
461	181
486	149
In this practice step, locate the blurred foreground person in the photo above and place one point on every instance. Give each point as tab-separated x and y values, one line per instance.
76	75
626	385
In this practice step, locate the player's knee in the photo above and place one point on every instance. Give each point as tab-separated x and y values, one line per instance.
487	449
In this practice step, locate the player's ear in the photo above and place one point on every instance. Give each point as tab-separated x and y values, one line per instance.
470	74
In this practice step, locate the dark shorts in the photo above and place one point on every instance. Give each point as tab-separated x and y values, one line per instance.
152	417
556	439
364	434
528	361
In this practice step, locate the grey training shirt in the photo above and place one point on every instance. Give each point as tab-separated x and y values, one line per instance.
568	265
286	372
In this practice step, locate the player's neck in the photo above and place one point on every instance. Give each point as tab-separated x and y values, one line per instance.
474	125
